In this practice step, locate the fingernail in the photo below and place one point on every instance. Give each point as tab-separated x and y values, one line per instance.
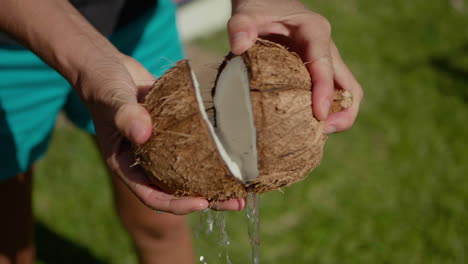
137	130
238	40
330	129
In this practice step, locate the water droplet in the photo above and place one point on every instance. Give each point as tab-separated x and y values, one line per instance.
253	226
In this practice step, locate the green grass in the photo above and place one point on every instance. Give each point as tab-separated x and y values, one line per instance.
394	189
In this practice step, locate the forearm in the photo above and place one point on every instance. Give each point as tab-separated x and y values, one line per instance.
56	32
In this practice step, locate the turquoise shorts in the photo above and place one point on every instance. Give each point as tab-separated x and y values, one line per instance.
32	94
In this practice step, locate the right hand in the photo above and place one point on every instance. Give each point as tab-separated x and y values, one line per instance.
110	89
308	34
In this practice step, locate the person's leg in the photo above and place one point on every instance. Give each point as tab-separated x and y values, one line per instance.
158	237
16	220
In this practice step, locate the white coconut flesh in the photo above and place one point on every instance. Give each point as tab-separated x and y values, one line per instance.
235	134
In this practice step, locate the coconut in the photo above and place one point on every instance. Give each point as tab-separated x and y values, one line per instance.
264	134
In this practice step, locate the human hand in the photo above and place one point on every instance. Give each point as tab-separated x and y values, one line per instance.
308	34
111	89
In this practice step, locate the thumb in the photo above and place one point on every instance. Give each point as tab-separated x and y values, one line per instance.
134	122
242	33
132	119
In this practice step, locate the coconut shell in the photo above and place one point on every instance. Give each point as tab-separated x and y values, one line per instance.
181	157
290	140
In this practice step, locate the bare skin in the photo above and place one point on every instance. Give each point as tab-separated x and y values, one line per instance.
158	237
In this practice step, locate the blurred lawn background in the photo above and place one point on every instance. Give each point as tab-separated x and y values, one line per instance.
394	189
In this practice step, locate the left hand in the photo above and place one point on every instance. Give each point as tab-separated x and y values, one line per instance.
308	34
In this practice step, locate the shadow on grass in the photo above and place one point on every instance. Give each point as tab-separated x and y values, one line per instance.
52	248
458	73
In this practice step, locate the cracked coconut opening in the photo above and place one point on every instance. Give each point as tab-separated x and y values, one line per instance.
234	117
235	134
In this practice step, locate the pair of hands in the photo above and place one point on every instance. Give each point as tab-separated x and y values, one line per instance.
111	90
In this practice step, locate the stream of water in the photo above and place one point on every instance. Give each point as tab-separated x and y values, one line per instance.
212	227
253	227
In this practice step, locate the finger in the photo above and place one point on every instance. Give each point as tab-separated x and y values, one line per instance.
134	122
345	80
122	163
183	206
115	107
243	33
229	205
142	78
158	200
120	97
322	87
319	63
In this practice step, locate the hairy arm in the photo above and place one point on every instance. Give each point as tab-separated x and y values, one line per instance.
107	81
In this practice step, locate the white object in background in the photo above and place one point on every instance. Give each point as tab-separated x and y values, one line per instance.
202	17
458	5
